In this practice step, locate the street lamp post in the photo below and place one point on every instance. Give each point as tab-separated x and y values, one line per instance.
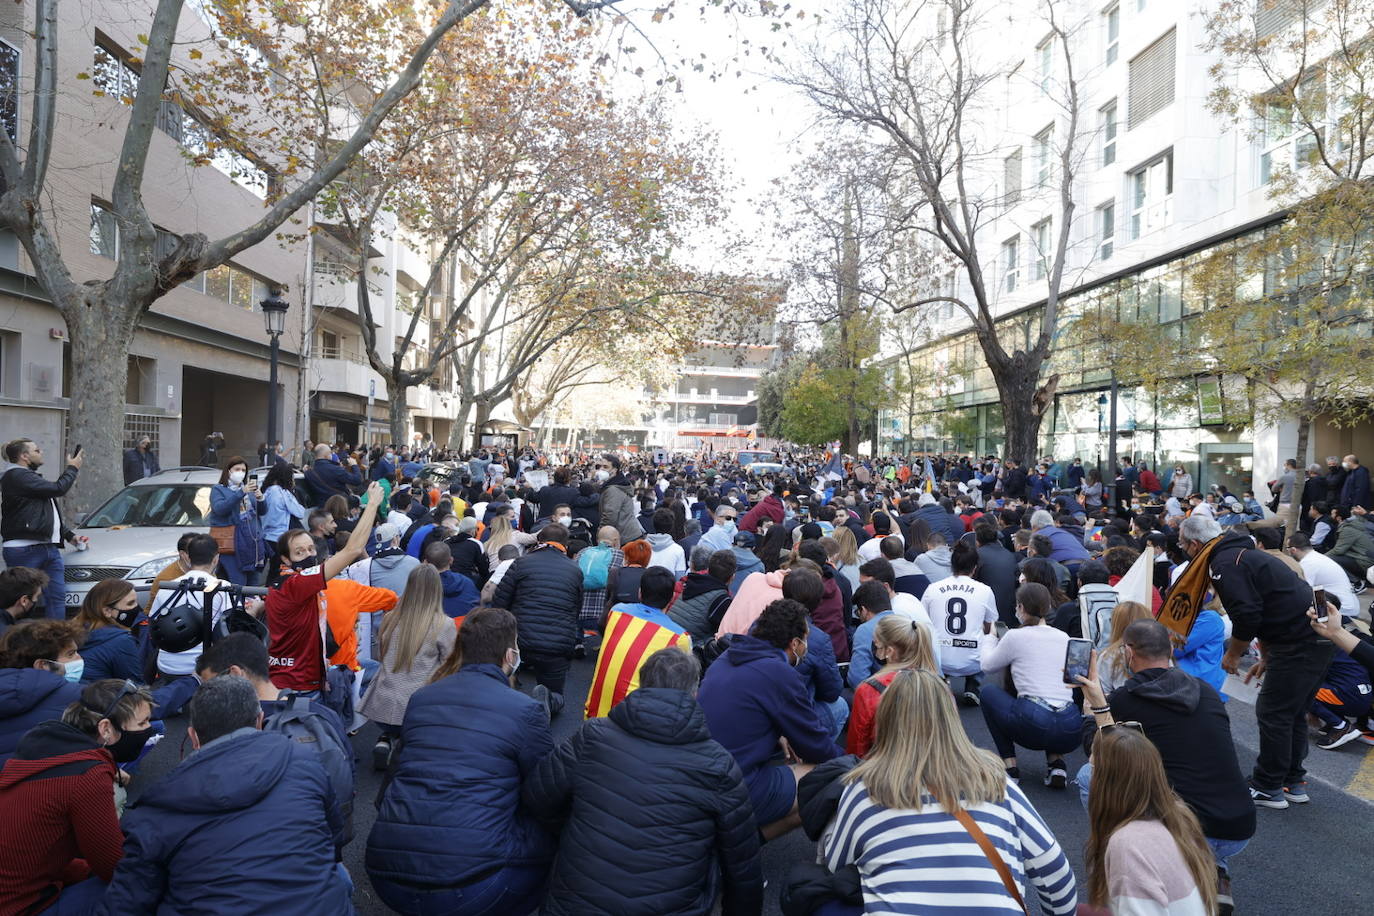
274	309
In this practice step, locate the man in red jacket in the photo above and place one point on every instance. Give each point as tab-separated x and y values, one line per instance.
770	507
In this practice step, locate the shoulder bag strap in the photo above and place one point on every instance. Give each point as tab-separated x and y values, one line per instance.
981	838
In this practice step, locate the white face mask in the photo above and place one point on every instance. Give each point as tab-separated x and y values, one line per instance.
603	475
563	519
236	477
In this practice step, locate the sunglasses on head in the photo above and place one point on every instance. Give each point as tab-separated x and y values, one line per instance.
129	689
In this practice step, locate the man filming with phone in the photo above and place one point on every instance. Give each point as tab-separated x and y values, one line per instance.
31	522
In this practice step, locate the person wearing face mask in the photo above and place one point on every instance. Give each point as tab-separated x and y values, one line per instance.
755	704
62	840
21	593
618	507
721	535
444	842
1355	489
236	508
384	466
115	632
40	674
242	797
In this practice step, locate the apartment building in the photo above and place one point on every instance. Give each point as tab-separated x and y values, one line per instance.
1162	183
199	363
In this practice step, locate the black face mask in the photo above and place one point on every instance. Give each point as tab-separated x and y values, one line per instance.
126	618
306	563
130	745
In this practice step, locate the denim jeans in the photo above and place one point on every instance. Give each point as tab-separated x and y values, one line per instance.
833	715
1222	850
515	890
1293	672
78	899
1019	720
47	557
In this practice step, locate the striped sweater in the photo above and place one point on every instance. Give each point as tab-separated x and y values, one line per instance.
924	862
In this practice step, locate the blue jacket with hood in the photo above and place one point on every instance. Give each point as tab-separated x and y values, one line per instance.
198	840
460	595
111	652
751	697
29	696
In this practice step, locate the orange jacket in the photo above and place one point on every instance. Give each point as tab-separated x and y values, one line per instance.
344	601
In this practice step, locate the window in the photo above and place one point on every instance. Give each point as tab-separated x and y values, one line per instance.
1011	177
1106	229
113	76
1044	69
1044	152
1286	143
1273	16
1107	115
104	232
329	345
1152	188
1011	263
1113	24
1151	81
1040	235
9	89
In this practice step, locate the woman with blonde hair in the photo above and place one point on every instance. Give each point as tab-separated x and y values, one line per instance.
1146	851
414	640
847	561
900	643
1111	667
503	533
906	818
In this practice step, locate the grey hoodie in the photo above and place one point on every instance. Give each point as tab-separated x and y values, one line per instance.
934	563
389	569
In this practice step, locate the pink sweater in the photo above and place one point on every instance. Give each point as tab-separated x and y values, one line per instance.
756	592
1146	874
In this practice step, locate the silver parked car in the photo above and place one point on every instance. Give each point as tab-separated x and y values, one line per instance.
134	534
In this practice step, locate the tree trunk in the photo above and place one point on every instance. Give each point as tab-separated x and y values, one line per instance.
1024	405
1304	436
398	416
100	372
483	415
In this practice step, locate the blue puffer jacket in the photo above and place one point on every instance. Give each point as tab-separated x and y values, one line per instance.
684	819
29	696
203	839
818	668
543	589
111	652
451	812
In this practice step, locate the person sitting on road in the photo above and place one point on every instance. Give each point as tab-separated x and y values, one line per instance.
1146	851
754	701
40	676
244	797
62	840
687	794
913	808
115	632
633	632
900	644
1185	719
1042	715
705	593
872	602
451	838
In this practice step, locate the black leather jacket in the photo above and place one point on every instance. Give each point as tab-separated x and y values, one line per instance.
27	507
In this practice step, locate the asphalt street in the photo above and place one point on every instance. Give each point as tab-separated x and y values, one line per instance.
1287	869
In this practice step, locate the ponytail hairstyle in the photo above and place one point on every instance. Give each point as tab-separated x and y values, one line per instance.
910	641
963	558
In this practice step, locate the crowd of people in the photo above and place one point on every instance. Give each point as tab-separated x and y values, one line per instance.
770	652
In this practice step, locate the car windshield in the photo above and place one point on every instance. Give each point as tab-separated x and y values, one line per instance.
170	505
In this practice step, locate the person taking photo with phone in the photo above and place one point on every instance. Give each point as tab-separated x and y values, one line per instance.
1042	715
30	521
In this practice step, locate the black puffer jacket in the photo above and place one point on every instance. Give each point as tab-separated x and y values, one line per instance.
661	842
543	589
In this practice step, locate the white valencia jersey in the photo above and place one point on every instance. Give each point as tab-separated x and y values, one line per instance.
958	608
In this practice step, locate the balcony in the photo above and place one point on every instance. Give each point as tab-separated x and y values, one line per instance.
706	397
345	372
336	288
728	371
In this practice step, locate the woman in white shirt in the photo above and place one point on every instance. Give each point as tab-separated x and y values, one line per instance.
1146	853
1042	717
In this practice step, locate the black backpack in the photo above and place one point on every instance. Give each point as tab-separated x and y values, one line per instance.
304	725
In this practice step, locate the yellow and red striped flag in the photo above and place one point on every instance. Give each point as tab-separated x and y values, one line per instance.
633	633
